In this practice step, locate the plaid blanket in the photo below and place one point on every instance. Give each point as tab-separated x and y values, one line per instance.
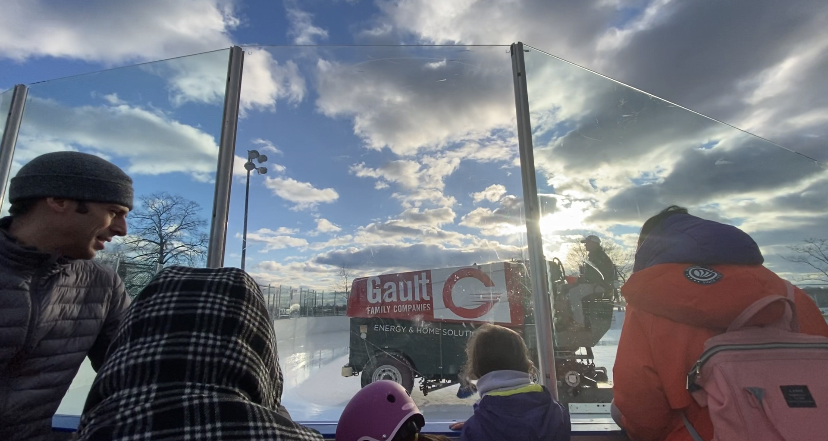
194	359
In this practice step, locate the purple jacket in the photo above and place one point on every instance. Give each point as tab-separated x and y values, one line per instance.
518	415
684	238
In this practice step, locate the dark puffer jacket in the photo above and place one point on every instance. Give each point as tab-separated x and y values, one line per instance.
53	312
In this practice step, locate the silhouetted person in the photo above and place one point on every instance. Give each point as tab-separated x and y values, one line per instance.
602	270
599	273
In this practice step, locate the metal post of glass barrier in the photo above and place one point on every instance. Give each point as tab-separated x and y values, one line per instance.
227	149
537	261
7	144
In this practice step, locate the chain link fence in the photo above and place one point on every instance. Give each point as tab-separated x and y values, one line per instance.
286	301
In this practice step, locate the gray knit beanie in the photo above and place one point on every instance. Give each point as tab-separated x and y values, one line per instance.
72	175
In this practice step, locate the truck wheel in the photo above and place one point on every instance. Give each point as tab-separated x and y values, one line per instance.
388	367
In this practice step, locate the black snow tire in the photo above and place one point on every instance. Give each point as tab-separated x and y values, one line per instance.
389	367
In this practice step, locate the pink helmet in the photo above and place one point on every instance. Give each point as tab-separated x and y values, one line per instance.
377	413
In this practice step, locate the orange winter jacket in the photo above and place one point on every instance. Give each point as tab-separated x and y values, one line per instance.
668	319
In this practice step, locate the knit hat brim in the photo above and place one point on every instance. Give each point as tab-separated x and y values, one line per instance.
72	175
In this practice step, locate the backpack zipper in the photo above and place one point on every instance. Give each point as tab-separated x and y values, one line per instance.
706	355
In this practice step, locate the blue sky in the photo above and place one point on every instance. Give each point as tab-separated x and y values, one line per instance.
384	159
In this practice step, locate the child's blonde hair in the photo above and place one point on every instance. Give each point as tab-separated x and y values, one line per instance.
495	348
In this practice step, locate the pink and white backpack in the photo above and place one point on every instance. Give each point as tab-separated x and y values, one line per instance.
765	383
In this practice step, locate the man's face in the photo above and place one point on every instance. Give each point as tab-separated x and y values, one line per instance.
87	233
590	245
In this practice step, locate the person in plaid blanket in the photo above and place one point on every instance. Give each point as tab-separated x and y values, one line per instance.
194	359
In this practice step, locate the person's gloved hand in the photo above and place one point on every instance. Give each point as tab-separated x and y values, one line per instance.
466	390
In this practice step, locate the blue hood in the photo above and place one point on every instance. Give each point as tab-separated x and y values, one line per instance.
683	238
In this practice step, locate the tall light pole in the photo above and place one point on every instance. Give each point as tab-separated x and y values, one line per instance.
250	166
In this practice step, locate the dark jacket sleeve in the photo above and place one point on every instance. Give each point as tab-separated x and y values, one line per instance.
118	304
471	431
604	264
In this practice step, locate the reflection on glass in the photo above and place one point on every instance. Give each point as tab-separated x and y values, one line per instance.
608	157
5	105
392	199
160	122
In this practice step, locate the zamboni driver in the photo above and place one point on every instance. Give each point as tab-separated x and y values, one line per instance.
599	272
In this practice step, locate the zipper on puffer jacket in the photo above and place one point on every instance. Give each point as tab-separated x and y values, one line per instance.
36	302
706	355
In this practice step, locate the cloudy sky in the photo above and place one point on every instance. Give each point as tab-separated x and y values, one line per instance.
389	158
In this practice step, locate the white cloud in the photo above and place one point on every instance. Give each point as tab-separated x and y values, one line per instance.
279	231
565	28
607	158
774	107
303	194
265	81
386	259
403	172
427	217
276	240
412	225
402	104
292	267
654	14
500	148
116	33
267	146
326	226
434	112
423	181
335	242
113	99
151	142
302	28
776	92
506	220
239	172
294	274
424	196
419	183
436	64
381	30
492	193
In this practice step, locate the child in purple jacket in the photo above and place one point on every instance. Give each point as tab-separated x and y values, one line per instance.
511	407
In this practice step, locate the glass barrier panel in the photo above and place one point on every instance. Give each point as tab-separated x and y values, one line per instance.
389	224
160	122
5	105
608	157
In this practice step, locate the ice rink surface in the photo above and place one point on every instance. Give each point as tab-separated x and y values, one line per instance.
312	351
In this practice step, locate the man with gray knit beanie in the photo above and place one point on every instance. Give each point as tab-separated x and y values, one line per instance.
57	306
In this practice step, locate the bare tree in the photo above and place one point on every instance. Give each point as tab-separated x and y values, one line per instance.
345	278
342	287
622	258
111	256
814	253
166	230
624	264
134	274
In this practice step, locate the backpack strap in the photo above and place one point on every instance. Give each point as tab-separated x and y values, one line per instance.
692	430
788	321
